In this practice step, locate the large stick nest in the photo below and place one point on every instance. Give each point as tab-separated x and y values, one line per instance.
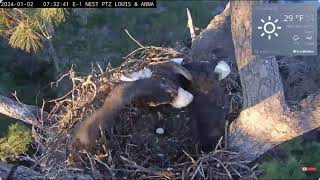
132	150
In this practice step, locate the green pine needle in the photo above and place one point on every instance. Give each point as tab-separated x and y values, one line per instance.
16	141
25	38
30	27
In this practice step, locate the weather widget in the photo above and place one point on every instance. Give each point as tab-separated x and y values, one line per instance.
284	29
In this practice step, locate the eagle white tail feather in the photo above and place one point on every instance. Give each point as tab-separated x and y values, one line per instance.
134	76
223	69
183	99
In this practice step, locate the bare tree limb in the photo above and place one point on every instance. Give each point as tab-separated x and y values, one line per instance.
26	113
308	112
190	25
133	38
24	173
20	172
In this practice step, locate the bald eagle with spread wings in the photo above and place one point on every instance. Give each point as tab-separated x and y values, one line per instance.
196	84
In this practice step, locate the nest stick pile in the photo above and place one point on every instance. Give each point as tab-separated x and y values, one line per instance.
133	150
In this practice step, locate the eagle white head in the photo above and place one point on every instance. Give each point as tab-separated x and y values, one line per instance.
223	69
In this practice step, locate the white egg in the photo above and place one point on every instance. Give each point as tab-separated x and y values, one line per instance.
159	130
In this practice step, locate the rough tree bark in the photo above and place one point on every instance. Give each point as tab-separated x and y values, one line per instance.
215	40
266	120
26	113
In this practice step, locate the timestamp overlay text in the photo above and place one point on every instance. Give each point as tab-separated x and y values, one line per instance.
78	4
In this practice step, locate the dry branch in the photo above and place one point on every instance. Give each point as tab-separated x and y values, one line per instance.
26	113
24	173
190	25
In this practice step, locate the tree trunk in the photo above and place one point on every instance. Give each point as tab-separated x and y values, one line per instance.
266	120
59	65
55	60
215	40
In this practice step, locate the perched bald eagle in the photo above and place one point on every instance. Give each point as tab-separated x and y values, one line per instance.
210	105
171	82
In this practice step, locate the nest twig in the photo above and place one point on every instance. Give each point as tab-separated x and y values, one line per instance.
221	164
134	149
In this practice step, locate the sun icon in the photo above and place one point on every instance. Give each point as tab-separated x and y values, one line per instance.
269	27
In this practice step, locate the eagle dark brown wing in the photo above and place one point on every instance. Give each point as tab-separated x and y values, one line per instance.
210	105
209	114
153	90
